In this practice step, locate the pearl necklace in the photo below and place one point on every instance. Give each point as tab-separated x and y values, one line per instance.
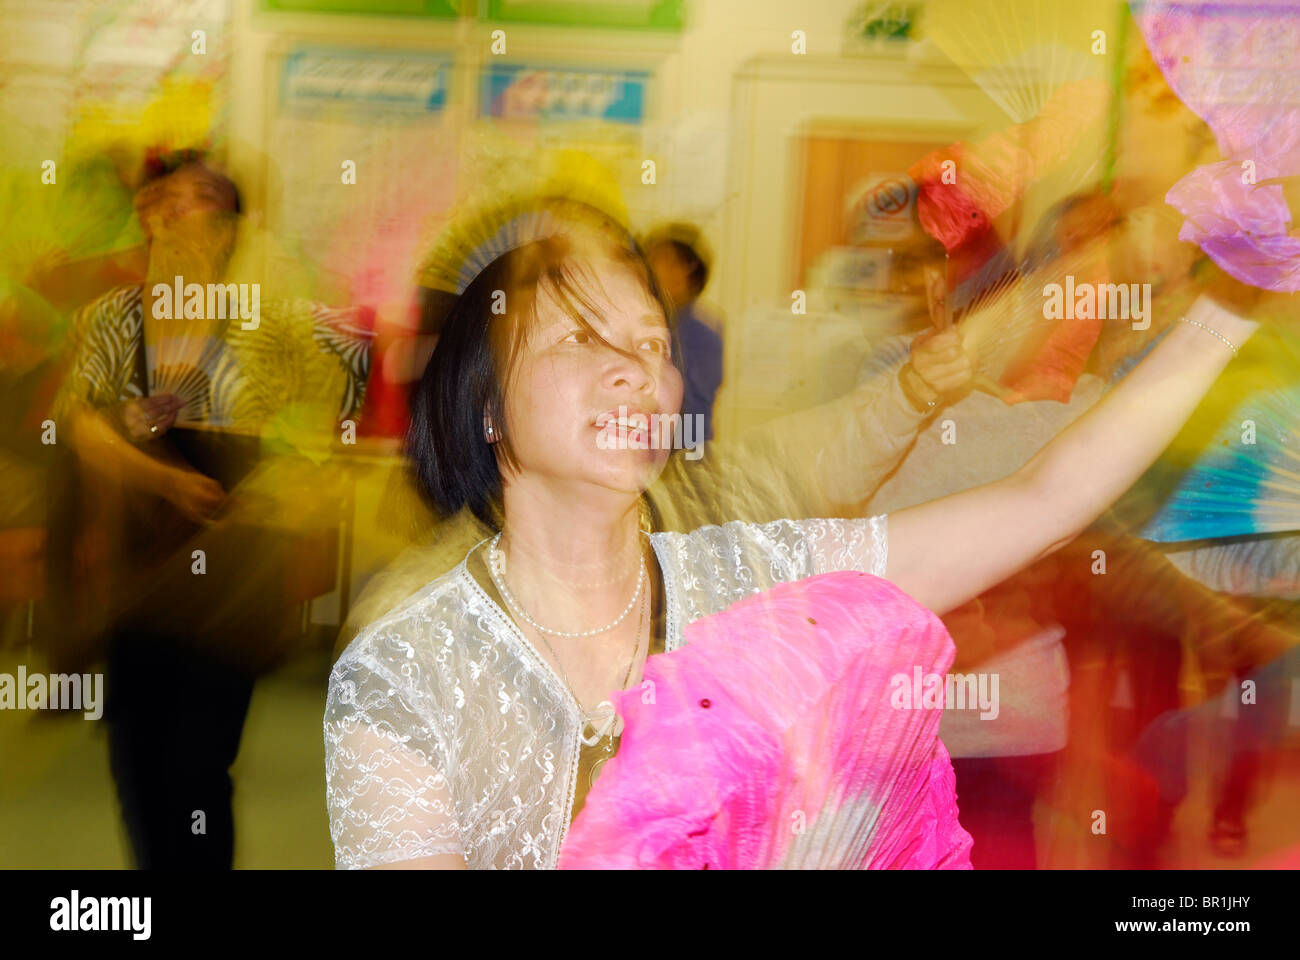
498	577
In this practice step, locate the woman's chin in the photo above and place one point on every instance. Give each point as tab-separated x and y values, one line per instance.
631	471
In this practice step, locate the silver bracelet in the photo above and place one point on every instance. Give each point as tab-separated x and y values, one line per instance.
1212	332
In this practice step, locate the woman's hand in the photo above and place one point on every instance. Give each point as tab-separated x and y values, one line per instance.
197	496
939	365
150	417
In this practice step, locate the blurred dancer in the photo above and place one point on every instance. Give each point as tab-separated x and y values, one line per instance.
1011	630
505	427
1002	761
1220	628
681	261
1022	629
833	456
29	376
200	591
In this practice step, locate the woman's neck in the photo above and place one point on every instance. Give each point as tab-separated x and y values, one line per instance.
571	563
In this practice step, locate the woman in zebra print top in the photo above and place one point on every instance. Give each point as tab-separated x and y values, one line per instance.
199	587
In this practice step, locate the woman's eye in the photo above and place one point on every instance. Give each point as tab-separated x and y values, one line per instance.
578	336
660	346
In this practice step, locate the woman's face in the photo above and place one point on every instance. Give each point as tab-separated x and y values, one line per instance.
189	219
568	385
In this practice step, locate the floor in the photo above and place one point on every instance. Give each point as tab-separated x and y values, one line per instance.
58	809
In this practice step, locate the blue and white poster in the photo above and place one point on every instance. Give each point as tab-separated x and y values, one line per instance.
386	80
526	91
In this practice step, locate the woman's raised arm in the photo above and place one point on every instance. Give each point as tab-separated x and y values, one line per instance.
944	552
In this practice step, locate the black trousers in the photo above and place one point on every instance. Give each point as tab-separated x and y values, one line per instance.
175	718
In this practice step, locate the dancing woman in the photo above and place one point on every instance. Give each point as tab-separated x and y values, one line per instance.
464	727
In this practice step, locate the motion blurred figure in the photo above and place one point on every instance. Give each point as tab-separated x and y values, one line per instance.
199	591
681	262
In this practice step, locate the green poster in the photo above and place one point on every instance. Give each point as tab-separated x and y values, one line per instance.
445	9
625	14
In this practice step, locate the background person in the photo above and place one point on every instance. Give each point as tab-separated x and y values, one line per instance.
185	644
681	260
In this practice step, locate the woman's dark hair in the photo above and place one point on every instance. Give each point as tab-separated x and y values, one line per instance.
697	271
690	247
470	371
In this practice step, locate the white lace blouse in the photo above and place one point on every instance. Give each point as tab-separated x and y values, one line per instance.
446	732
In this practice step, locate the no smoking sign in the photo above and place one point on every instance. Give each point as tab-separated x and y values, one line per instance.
882	207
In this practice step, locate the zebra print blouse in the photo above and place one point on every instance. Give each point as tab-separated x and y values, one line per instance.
108	364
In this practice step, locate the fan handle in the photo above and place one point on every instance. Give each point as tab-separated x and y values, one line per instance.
936	295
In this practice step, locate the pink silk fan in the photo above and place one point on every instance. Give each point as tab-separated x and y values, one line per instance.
778	737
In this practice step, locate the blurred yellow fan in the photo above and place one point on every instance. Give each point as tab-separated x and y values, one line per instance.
179	118
526	196
1021	51
84	213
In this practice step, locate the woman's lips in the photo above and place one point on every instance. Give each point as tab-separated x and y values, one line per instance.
624	417
633	425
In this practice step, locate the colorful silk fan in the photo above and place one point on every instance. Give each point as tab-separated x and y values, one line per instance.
84	213
1235	469
986	179
781	736
1038	60
1045	64
1022	353
54	234
1234	64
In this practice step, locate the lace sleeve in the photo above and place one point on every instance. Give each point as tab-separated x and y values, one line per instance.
835	543
386	766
